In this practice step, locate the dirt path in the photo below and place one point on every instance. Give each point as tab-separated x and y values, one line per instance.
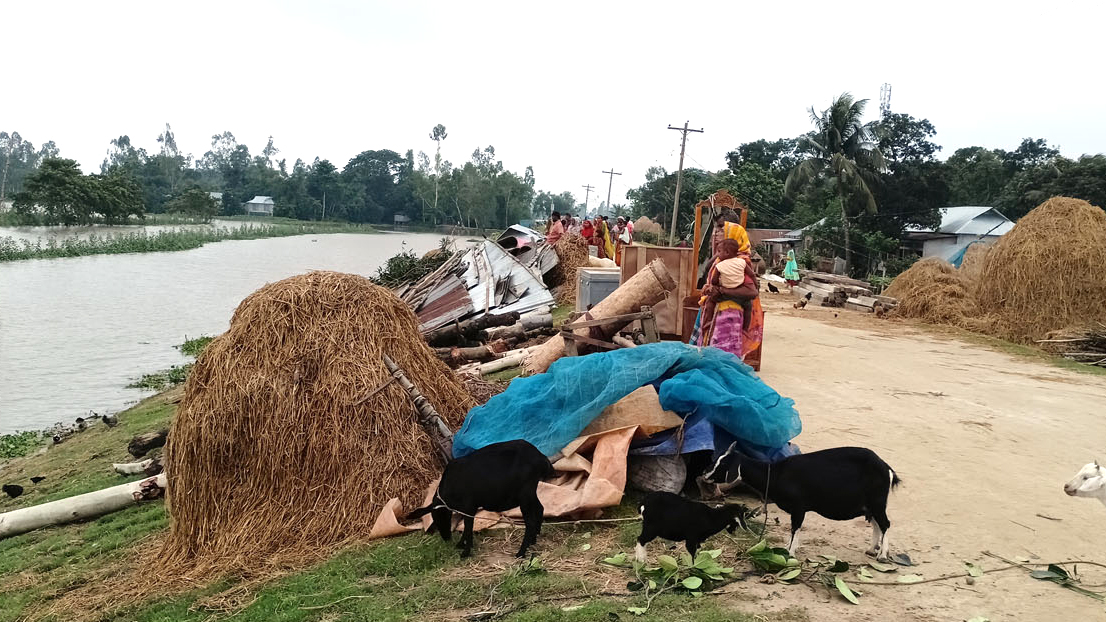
983	440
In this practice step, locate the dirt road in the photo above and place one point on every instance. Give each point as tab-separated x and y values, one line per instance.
983	441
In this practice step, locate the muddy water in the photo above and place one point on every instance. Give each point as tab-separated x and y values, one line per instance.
44	234
75	331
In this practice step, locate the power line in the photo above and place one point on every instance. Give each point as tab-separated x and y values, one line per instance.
610	184
679	179
587	192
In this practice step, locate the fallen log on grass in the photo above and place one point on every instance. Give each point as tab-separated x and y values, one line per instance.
143	443
645	288
469	329
81	507
508	360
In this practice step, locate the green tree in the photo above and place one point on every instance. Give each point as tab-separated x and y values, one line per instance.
915	185
777	157
114	196
842	149
59	189
755	186
196	203
976	176
438	134
322	185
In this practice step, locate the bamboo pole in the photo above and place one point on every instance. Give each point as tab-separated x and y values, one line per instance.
435	427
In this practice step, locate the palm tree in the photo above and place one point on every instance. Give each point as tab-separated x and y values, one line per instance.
842	148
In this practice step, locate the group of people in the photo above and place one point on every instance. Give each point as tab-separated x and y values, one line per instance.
607	239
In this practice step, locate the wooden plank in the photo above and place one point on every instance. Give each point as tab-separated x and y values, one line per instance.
886	300
855	307
629	317
860	302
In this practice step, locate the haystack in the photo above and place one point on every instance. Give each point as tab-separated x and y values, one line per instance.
647	225
285	444
572	253
1049	272
935	292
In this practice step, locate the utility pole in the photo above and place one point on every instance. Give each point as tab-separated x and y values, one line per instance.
679	180
611	174
587	191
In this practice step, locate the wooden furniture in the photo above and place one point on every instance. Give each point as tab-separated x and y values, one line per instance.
681	264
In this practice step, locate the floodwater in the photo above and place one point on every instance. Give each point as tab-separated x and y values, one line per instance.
75	331
43	234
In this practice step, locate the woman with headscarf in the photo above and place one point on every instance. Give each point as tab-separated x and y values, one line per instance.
726	312
624	236
791	270
604	232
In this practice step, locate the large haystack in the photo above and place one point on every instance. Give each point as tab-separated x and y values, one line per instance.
1048	272
283	446
933	291
646	225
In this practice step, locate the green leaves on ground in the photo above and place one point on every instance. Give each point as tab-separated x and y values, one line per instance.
844	589
770	559
18	444
1059	576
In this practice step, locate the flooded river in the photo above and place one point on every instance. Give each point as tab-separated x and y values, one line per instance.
44	234
75	331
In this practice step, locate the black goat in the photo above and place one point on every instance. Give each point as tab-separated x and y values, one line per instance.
497	478
672	517
840	484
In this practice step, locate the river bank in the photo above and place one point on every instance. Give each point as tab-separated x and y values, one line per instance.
12	249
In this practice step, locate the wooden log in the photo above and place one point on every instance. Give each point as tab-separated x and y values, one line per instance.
886	300
534	321
431	422
515	331
81	507
622	341
509	359
857	307
143	443
455	333
647	287
132	468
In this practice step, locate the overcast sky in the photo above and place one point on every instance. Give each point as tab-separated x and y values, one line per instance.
569	88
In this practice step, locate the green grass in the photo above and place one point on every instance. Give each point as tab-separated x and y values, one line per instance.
19	443
174	240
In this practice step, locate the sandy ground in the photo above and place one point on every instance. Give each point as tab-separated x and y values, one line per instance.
983	441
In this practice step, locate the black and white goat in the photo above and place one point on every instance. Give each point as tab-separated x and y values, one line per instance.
840	484
497	478
1090	481
672	517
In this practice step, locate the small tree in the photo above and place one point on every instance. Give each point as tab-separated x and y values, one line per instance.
60	190
195	203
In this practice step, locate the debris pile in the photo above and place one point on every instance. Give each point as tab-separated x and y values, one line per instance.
1085	345
1048	273
834	290
292	435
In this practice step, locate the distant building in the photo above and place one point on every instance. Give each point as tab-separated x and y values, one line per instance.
260	206
400	219
959	227
216	196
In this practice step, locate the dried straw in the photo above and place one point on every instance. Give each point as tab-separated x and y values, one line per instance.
572	253
1048	272
275	451
935	292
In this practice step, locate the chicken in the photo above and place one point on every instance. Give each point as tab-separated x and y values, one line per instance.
12	490
773	289
808	295
878	308
801	304
37	478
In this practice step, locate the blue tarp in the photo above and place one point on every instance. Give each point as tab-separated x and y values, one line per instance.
551	409
957	256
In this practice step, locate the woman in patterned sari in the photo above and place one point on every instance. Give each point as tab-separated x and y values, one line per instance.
722	324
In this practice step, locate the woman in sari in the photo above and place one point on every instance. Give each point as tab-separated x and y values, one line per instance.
791	270
625	237
604	231
723	324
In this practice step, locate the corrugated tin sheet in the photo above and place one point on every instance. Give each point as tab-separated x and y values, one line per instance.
448	302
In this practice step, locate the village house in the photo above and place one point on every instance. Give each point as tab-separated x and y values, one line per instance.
260	206
959	227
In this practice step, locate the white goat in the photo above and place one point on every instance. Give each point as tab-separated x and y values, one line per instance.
1090	481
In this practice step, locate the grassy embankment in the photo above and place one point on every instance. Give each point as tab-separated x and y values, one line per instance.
174	240
412	576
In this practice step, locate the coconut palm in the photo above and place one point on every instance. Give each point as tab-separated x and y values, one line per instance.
842	148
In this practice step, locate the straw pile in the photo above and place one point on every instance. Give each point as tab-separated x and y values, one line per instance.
572	253
647	225
971	266
1048	272
283	447
935	292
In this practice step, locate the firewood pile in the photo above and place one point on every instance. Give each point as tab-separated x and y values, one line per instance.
834	290
1085	345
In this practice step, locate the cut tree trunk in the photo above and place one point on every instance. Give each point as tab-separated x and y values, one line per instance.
143	443
516	331
80	507
469	329
648	287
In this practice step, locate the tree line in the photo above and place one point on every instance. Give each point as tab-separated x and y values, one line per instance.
870	181
372	187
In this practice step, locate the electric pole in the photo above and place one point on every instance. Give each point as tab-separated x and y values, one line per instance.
587	191
679	180
610	173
